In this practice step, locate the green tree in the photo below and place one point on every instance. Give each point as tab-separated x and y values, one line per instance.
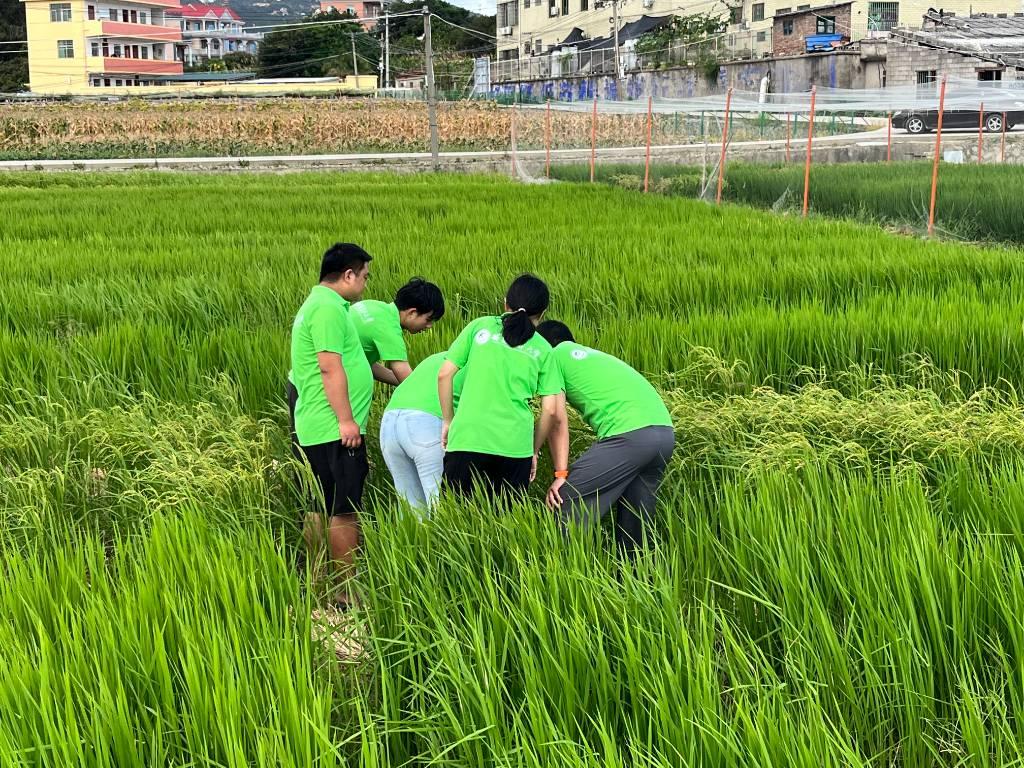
13	66
689	30
321	50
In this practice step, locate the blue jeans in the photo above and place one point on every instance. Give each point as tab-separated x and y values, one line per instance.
411	444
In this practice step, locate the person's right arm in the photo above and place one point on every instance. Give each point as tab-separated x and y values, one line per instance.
332	373
446	394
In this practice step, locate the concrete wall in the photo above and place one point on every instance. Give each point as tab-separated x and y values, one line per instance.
797	73
905	61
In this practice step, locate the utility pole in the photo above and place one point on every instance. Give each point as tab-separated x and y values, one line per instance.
355	64
618	67
431	93
387	49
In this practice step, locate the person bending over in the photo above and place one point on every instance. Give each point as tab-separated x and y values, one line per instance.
410	433
417	306
624	468
490	440
329	395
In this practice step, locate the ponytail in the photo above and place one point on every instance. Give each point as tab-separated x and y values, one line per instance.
526	299
517	328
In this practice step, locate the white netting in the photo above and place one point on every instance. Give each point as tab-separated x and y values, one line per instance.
960	94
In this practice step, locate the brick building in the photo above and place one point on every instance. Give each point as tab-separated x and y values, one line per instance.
806	30
983	48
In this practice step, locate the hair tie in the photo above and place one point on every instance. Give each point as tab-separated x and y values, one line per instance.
521	309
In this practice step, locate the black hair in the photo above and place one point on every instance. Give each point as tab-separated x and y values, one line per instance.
340	258
424	297
555	332
527	297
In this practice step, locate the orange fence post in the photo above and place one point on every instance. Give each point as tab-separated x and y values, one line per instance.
725	138
981	125
788	131
647	165
1002	142
807	162
513	131
547	143
935	164
888	148
593	141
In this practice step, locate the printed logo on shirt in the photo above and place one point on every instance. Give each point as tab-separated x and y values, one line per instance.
579	354
482	336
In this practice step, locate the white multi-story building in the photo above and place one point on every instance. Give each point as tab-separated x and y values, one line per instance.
211	32
538	28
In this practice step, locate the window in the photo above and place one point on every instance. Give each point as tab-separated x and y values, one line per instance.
112	14
508	14
143	18
106	48
926	79
803	7
526	48
565	7
526	4
135	17
762	37
883	16
736	14
757	11
91	11
990	75
826	25
135	51
538	46
95	82
117	51
124	15
145	52
787	26
552	7
60	11
95	49
106	81
781	11
119	83
65	49
584	5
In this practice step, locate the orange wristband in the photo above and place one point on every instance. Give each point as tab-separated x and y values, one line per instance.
562	474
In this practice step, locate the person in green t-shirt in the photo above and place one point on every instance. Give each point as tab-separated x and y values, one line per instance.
329	398
410	433
417	306
491	439
635	439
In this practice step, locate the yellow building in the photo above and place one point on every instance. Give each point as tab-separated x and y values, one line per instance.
95	44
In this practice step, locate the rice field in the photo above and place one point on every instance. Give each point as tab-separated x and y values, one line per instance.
838	573
973	202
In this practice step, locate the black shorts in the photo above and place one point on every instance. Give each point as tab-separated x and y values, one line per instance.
492	474
339	471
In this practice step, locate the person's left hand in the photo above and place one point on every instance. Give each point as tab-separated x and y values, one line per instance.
554	498
533	468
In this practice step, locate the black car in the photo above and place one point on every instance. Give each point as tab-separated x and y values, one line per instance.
924	120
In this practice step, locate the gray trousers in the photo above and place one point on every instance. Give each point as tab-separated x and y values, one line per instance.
624	472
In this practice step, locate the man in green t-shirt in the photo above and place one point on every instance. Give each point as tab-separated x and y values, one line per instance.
417	306
635	440
329	397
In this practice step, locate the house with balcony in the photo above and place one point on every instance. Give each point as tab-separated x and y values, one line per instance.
89	44
211	32
367	10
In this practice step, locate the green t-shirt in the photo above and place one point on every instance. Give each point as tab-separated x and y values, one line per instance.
380	330
494	413
323	325
419	391
611	397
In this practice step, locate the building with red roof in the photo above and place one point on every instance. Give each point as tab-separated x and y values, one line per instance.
211	32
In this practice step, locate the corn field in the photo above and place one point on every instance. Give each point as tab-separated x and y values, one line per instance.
838	577
141	129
